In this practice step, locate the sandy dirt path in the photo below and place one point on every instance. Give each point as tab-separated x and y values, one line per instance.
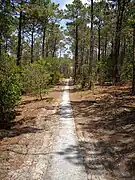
25	150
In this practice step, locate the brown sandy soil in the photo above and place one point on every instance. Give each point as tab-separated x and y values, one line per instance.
105	124
24	150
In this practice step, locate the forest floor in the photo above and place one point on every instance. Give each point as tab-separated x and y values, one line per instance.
24	150
105	124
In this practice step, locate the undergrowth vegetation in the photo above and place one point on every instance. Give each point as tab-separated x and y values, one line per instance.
10	90
35	78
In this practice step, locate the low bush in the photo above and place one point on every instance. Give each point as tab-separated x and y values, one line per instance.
40	75
10	90
36	78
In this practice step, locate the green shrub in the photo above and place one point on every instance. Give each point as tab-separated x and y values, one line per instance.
53	67
40	75
36	78
10	91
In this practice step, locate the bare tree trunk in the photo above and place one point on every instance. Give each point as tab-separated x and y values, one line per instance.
32	43
87	57
133	80
123	51
99	49
19	40
105	54
43	43
76	54
81	55
112	46
121	9
47	48
0	45
99	40
91	47
54	48
81	69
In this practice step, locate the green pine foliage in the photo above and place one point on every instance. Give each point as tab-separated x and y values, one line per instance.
35	78
10	90
40	75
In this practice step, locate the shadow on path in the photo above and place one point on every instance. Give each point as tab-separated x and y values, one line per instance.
19	131
109	136
72	154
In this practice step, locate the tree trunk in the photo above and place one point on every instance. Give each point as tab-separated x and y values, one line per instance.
121	9
47	48
133	80
99	48
105	46
76	54
32	43
81	61
91	47
115	58
123	51
43	43
54	48
112	46
19	40
99	39
0	45
81	69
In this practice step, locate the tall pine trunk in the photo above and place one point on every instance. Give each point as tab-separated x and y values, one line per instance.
91	47
32	43
0	45
105	47
123	51
120	14
43	43
99	50
18	62
133	80
99	42
81	69
47	48
76	54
